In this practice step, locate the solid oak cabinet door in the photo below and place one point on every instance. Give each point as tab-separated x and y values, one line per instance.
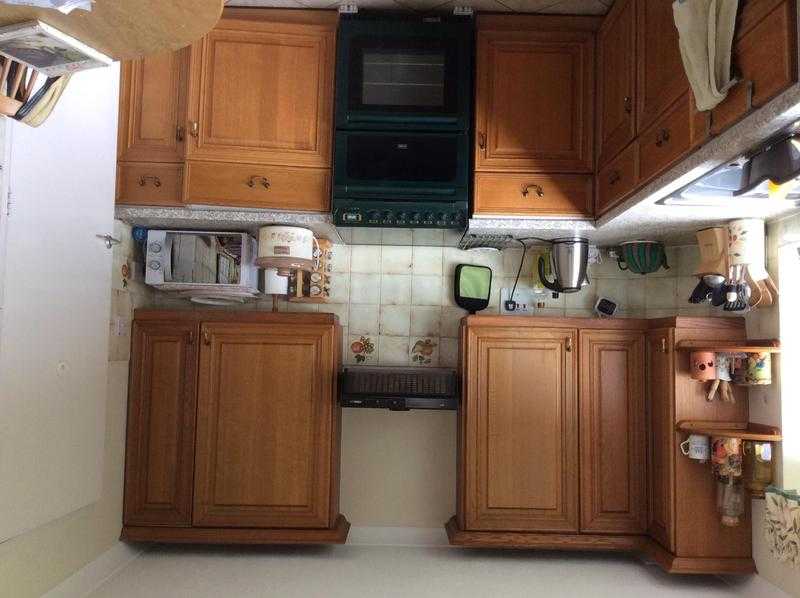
617	80
661	436
534	99
153	108
264	426
521	432
612	432
159	462
262	88
661	78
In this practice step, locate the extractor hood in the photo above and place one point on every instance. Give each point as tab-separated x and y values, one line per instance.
770	173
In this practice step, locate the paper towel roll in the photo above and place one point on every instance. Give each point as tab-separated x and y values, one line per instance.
746	245
274	283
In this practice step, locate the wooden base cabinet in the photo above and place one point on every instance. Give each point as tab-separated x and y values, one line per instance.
523	419
233	429
567	440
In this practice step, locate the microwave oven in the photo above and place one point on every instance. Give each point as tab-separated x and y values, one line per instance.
209	267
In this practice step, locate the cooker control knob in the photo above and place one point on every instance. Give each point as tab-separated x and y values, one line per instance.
415	216
428	216
387	215
442	216
374	215
402	215
154	247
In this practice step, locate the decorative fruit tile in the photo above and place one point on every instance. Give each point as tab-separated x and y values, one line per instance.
424	351
362	350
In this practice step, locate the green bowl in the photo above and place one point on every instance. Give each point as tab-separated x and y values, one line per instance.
642	257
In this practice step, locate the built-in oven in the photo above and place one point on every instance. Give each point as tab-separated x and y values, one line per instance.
404	178
404	71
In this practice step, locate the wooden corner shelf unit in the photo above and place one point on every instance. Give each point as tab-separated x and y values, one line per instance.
744	431
754	346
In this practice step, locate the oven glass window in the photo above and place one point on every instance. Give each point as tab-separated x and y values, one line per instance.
402	75
403	78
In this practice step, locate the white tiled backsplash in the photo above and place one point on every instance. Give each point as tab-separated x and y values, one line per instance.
396	307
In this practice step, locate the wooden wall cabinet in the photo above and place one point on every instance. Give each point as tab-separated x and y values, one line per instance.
534	110
616	80
612	432
251	101
152	134
262	89
661	79
233	430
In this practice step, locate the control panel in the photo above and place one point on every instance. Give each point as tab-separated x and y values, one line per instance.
421	216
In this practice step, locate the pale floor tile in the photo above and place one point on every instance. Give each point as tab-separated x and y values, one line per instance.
426	290
425	320
396	236
660	293
340	288
365	259
393	350
427	236
451	321
448	352
615	290
365	236
489	257
340	261
579	313
395	289
452	257
363	319
428	260
400	572
365	288
396	260
395	320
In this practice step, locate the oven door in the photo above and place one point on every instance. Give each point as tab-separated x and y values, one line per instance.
404	75
430	166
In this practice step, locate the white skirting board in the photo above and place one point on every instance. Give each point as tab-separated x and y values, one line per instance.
397	536
85	581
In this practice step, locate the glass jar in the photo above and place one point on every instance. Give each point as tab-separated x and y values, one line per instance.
758	466
730	500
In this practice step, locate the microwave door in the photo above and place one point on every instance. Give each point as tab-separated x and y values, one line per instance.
169	242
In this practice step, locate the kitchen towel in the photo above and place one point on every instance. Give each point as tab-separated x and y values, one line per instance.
705	29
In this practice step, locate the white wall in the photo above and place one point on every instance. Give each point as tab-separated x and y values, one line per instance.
69	164
767	407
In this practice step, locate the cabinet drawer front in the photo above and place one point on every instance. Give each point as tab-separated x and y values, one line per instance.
140	183
258	186
666	141
533	194
618	178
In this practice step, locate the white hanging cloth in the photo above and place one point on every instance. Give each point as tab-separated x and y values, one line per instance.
706	30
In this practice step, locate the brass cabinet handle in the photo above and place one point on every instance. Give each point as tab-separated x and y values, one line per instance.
663	345
662	138
569	344
180	133
194	128
614	177
190	339
258	179
628	104
526	190
149	177
206	338
481	141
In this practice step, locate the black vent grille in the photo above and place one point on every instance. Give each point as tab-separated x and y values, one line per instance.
399	388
